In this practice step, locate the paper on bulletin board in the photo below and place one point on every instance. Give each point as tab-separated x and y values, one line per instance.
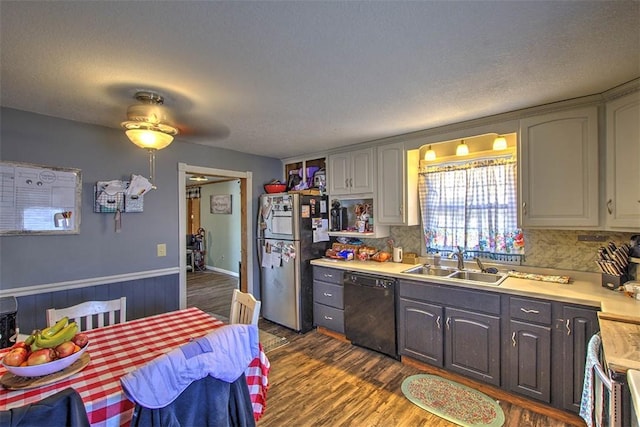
320	229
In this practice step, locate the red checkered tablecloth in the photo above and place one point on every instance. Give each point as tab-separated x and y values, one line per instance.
119	349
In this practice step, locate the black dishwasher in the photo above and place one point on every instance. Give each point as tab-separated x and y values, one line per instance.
370	312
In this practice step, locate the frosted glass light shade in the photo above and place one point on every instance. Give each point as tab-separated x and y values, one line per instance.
149	139
430	154
500	143
462	149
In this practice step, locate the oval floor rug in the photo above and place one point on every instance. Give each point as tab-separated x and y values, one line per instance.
452	401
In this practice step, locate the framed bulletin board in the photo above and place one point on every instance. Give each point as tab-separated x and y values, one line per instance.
37	199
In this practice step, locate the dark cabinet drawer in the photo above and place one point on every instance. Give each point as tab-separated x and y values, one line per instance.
328	317
328	294
327	275
530	310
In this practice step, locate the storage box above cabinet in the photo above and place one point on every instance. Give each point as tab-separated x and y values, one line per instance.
310	173
351	172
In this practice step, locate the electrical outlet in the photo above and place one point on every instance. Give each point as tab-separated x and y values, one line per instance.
162	249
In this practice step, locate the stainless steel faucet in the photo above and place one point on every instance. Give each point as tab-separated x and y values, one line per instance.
459	254
480	266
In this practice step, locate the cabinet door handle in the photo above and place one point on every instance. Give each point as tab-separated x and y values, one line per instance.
328	275
529	311
448	321
346	182
609	206
350	182
438	322
513	339
567	326
524	208
327	294
328	318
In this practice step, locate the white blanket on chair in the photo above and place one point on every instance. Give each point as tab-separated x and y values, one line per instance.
225	354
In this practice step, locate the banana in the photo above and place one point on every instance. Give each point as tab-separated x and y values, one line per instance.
63	335
31	338
57	327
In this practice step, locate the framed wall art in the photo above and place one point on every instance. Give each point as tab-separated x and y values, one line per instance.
221	204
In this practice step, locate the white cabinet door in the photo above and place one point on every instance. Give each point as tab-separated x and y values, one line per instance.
396	202
623	163
351	172
339	174
559	169
362	171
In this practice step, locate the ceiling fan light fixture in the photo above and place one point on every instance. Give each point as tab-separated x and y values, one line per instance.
500	143
462	149
148	126
430	155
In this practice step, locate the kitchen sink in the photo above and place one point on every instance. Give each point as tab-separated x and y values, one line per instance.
455	275
477	276
430	271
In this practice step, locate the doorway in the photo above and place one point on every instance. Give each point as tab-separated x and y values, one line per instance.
246	247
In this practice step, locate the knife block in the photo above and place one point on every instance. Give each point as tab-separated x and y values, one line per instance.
612	282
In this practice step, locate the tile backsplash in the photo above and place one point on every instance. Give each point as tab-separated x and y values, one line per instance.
543	248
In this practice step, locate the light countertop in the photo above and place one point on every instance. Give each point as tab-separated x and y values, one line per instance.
583	289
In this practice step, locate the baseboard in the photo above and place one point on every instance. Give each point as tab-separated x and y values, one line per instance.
220	270
498	393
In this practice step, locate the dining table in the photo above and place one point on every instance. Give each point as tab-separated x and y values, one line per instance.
118	349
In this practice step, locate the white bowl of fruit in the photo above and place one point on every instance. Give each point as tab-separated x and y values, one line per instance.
47	351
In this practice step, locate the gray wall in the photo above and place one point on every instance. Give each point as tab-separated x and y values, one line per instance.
104	154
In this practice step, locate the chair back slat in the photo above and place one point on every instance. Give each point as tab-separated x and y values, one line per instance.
90	313
245	309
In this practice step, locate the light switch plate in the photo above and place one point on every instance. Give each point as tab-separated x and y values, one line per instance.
162	249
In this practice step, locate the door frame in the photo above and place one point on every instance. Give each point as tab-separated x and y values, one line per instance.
246	261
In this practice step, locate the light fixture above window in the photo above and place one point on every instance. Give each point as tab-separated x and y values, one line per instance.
430	155
500	143
462	149
149	126
199	178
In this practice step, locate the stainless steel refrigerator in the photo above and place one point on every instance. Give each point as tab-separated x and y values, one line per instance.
292	230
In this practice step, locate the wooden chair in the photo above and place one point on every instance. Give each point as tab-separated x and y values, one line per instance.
85	313
245	309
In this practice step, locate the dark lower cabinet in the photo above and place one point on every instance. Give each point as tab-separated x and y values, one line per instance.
472	344
529	360
533	347
579	325
420	334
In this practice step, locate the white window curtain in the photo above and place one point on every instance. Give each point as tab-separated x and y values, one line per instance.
471	205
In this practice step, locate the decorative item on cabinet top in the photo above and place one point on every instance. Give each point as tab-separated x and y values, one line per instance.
123	196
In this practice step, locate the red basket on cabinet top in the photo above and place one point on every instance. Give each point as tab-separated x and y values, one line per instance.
275	188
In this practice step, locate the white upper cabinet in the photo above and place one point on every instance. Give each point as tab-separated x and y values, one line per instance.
351	172
623	163
397	201
559	169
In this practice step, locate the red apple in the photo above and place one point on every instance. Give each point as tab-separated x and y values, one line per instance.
15	357
65	349
80	339
44	355
20	344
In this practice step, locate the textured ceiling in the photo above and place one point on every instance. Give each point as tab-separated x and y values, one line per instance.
283	79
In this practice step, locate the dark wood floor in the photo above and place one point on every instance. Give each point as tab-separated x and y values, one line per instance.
317	380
